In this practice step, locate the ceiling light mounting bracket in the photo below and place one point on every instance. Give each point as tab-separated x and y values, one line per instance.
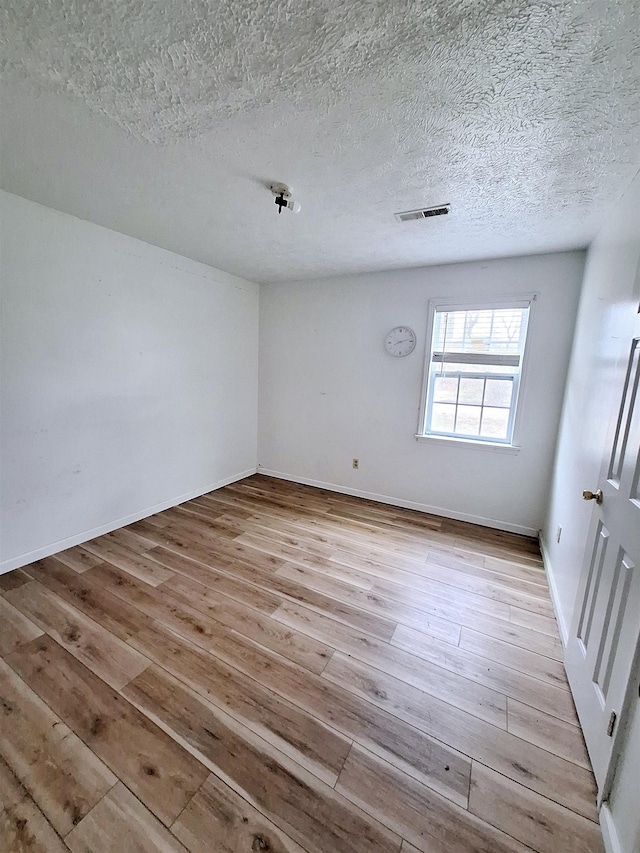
283	198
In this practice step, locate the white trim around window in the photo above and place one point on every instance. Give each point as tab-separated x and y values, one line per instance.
475	366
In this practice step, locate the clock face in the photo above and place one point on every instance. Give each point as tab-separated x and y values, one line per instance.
400	341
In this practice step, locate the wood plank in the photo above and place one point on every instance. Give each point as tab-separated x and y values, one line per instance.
294	551
252	503
201	530
130	540
534	820
496	543
293	731
205	626
502	679
298	534
23	827
181	618
475	545
514	542
401	582
377	527
446	549
458	612
218	812
238	561
548	732
313	505
425	819
486	703
533	573
397	517
119	617
525	638
135	564
294	645
278	484
11	580
224	526
363	540
16	628
465	575
298	803
523	762
210	510
511	543
535	621
524	660
118	823
64	778
105	655
529	581
345	541
77	559
441	767
178	538
199	509
467	609
355	514
373	602
374	535
513	574
160	772
211	578
536	600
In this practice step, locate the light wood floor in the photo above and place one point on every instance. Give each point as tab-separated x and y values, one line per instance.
276	668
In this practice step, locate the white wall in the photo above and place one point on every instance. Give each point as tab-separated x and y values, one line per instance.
610	272
329	391
129	379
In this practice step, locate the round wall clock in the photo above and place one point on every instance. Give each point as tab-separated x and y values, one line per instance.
400	341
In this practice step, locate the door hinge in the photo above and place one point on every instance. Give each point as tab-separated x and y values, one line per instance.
612	723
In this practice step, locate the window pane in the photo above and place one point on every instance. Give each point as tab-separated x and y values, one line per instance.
468	422
496	330
471	390
498	392
445	389
495	423
474	368
442	417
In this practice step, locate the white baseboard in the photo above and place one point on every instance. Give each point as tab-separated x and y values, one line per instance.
386	499
609	834
79	538
555	599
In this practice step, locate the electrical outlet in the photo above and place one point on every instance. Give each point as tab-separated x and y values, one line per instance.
356	463
558	534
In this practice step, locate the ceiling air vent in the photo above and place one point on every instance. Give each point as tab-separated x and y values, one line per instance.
425	213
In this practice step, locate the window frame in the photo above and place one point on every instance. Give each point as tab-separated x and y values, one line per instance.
510	444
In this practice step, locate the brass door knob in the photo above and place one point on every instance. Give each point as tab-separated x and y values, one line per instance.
593	496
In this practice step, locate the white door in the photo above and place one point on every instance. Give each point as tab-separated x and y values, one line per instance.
605	629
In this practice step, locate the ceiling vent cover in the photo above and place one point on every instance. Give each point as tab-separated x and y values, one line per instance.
424	213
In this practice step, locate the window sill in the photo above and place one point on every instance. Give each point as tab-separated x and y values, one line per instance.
470	444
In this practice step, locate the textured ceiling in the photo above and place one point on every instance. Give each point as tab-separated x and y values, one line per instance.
166	120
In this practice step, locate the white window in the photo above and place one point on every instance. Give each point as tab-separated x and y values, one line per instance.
473	370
